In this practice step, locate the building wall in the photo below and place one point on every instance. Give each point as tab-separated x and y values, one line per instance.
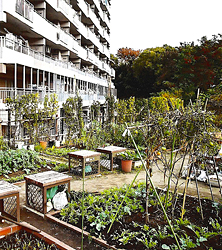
55	46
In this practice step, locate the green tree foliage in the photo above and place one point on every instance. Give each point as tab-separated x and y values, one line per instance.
29	114
187	67
95	110
47	114
125	81
126	110
73	117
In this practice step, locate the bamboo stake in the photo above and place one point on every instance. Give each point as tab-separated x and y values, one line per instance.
147	196
153	186
170	173
83	210
176	185
215	168
208	179
201	208
185	191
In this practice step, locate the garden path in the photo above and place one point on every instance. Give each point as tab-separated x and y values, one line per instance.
118	179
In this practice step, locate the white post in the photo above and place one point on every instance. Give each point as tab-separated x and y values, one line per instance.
31	78
15	79
37	80
24	80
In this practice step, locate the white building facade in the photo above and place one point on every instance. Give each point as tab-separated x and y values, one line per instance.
55	46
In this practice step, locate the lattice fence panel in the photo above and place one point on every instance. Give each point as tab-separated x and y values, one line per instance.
76	167
10	205
35	197
106	163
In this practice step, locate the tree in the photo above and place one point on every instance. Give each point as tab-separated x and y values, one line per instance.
125	81
73	117
26	114
147	68
48	115
188	67
127	55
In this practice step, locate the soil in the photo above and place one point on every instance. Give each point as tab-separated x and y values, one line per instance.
156	220
21	172
97	184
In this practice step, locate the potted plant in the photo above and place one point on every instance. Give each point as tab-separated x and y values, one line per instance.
131	158
126	161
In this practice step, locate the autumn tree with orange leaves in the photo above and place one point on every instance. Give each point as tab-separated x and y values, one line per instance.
127	55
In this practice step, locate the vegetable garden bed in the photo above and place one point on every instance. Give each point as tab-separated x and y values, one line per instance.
15	164
130	230
19	237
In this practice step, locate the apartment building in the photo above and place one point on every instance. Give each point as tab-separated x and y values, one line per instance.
55	46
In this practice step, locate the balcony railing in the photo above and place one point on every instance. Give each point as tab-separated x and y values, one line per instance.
86	95
19	47
25	9
12	92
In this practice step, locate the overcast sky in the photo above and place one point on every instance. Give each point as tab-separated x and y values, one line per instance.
141	24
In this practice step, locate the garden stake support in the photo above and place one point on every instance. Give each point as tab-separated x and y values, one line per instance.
171	171
147	197
185	191
152	184
175	189
211	192
215	168
83	210
201	209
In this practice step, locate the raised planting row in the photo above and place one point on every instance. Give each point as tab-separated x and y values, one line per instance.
27	237
130	231
15	164
15	160
26	241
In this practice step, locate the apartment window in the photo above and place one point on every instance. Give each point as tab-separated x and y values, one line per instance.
25	9
100	90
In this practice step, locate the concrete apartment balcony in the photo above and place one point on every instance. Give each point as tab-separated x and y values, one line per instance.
83	7
65	8
26	9
106	19
105	34
12	93
14	52
93	17
88	96
93	38
105	51
113	74
23	11
106	4
106	67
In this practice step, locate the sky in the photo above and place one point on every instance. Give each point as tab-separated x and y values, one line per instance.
141	24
